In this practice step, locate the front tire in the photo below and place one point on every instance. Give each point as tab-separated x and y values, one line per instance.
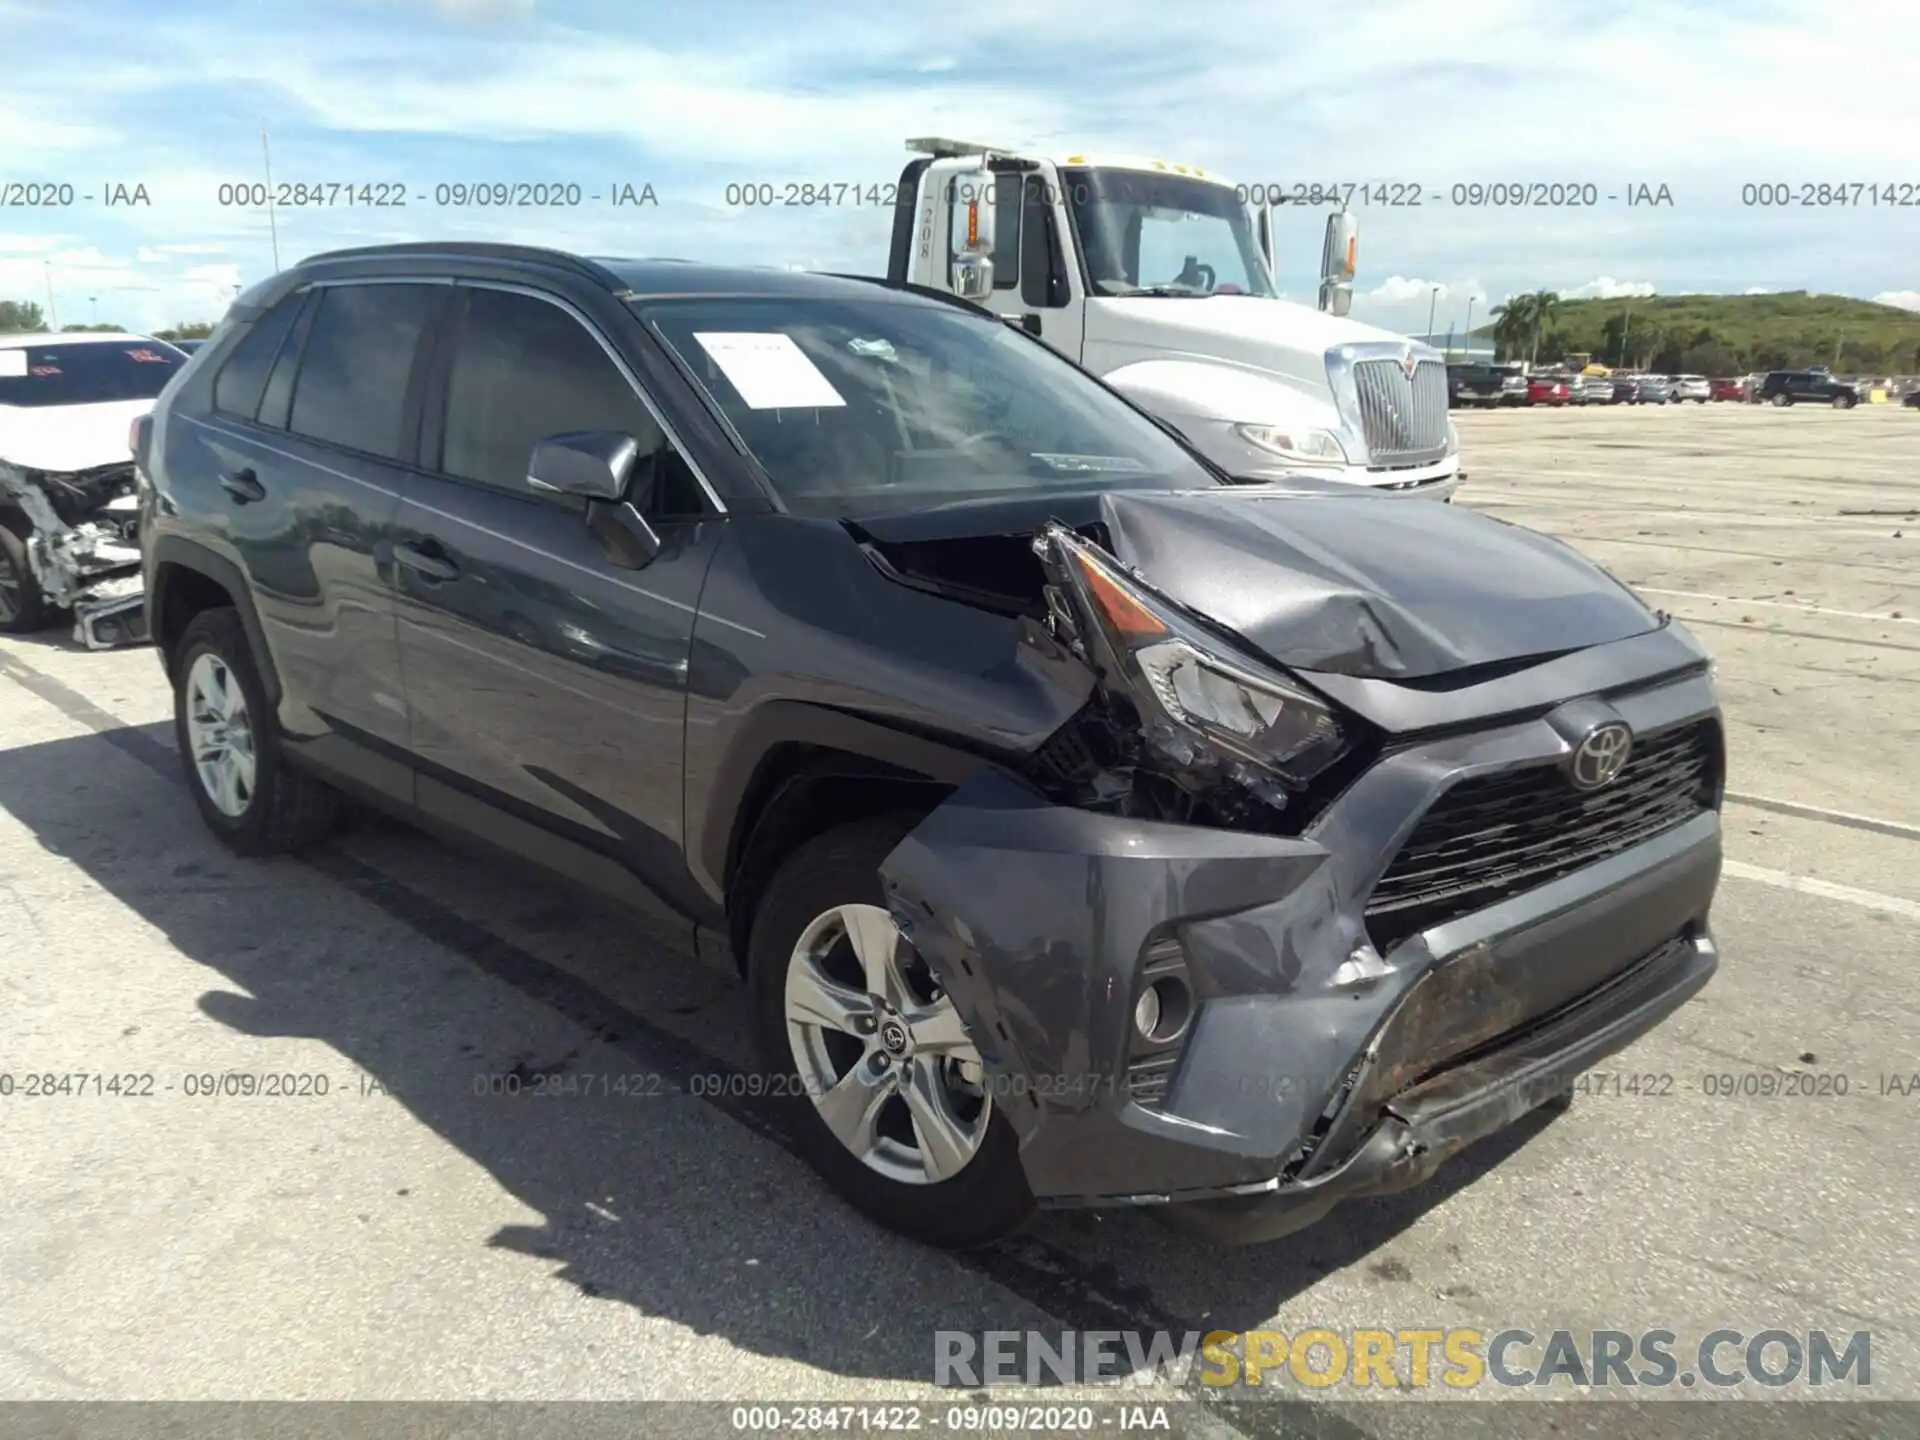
23	606
230	746
884	1089
1783	400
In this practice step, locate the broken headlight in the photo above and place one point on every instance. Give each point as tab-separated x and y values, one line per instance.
1200	704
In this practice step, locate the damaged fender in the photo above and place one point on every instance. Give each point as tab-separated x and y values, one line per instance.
82	547
1036	918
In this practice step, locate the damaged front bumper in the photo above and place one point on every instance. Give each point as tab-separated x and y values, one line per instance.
83	548
1342	1036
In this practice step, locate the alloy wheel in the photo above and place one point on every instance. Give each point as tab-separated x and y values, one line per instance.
881	1049
220	734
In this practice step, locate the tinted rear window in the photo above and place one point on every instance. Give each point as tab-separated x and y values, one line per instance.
86	374
352	385
237	389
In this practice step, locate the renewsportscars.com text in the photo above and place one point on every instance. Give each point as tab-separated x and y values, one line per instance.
1456	1358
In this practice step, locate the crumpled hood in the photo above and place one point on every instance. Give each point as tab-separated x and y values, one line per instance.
1366	586
65	438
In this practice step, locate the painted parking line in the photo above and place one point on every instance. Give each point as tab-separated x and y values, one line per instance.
1845	818
1784	605
1824	889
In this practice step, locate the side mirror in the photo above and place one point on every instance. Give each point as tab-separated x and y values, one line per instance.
593	464
1337	259
972	209
973	278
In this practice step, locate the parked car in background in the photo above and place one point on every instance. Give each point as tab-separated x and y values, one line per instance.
1655	390
1912	402
1548	390
999	742
1692	387
1513	383
1728	388
1626	389
1482	385
1592	390
1799	387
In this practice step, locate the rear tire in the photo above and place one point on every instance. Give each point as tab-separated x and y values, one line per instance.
1843	402
1783	399
231	747
984	1198
23	607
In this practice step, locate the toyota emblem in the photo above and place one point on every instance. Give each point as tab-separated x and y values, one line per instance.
1601	756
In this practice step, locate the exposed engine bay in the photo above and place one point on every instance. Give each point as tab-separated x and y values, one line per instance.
83	547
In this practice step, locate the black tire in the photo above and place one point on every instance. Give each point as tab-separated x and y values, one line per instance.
288	808
988	1199
23	607
1783	399
1843	402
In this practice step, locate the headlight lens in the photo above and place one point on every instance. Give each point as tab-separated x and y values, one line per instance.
1213	707
1256	717
1321	445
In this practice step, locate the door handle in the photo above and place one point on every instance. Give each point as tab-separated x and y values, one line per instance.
426	560
244	486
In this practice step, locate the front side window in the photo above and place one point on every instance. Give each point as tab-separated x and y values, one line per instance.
524	369
864	405
86	373
351	388
1147	233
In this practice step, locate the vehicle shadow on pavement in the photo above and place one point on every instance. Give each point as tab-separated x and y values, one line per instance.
646	1201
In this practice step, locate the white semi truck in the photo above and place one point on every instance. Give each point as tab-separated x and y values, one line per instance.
1159	278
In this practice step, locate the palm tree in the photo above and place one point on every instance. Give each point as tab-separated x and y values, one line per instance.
1542	306
1513	323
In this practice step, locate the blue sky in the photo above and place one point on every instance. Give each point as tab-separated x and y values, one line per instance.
1701	98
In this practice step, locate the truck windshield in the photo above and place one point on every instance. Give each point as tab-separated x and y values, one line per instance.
1147	233
86	373
855	406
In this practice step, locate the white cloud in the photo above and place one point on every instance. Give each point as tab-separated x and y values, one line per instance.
1605	287
1905	299
1757	290
1397	288
29	244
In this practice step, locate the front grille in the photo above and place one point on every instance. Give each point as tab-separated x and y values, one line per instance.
1495	836
1404	421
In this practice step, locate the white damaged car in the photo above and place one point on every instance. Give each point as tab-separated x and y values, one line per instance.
68	547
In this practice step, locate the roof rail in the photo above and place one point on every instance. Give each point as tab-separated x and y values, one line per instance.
476	250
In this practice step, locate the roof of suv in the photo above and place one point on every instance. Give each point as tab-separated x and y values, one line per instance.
633	278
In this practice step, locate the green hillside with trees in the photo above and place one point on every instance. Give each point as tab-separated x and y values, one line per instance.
1712	334
17	316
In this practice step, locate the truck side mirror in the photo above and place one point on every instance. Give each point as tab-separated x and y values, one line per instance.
972	210
1337	259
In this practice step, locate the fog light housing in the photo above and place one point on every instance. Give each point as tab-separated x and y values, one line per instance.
1146	1012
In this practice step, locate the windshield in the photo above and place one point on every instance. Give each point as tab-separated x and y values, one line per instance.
1145	233
858	406
86	374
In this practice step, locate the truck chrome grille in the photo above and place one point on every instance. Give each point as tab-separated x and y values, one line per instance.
1404	420
1496	836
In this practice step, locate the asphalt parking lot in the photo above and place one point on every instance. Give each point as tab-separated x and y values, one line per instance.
405	1236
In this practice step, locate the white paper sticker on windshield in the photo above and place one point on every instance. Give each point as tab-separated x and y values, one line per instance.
769	370
13	364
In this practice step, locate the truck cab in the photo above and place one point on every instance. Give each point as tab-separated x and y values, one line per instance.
1159	278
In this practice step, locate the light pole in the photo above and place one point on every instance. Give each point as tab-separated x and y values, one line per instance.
1466	341
53	315
273	226
1626	324
1433	301
94	302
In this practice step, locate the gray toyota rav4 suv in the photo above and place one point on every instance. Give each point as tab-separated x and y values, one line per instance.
1089	828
